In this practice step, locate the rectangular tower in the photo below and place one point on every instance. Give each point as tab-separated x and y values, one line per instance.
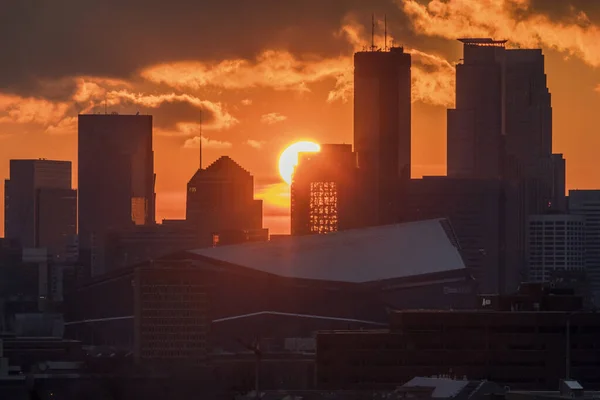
382	128
324	191
116	179
40	206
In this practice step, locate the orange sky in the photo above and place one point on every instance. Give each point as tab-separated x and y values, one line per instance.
279	91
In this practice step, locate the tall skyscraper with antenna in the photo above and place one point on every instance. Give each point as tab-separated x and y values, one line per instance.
382	126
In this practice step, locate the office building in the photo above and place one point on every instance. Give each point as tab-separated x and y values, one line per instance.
586	203
324	191
220	198
518	342
116	180
556	242
40	206
501	128
473	207
382	128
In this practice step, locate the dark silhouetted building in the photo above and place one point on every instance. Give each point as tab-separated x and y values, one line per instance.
220	198
473	208
555	242
501	128
147	242
586	203
116	180
324	191
40	206
274	290
520	341
382	129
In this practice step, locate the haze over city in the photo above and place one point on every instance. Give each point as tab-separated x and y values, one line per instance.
268	74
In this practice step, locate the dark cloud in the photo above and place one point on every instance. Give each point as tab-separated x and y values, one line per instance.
168	114
41	39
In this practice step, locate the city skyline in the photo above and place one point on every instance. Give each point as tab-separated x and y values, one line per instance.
252	119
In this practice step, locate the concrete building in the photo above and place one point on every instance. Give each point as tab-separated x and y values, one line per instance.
324	191
40	206
116	180
382	128
220	198
556	242
587	204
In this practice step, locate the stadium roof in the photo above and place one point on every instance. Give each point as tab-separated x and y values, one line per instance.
359	255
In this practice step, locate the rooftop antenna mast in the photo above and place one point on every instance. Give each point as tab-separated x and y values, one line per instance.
385	46
373	32
200	142
105	105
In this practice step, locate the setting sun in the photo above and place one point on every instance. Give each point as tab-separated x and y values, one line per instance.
289	158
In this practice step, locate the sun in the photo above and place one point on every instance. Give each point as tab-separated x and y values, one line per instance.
289	158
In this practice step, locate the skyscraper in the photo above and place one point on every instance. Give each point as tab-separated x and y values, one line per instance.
323	191
40	206
382	128
116	179
501	128
220	199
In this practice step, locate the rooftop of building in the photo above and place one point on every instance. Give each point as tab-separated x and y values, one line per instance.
223	167
356	256
483	42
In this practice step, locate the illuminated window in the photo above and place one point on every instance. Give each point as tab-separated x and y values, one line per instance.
192	189
323	207
215	241
139	210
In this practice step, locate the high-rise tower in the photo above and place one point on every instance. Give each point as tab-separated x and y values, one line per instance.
41	207
382	128
116	179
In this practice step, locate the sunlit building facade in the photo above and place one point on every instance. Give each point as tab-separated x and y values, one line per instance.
324	191
116	180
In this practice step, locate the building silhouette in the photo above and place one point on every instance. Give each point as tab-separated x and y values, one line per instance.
501	128
586	203
382	129
324	191
556	242
116	180
41	206
472	207
220	201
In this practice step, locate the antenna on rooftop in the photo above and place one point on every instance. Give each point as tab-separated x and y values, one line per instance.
105	105
373	32
385	48
200	142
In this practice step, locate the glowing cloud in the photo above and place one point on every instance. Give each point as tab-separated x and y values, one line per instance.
433	77
257	144
194	143
279	70
497	18
272	118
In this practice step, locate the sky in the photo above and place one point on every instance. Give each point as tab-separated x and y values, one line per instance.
267	73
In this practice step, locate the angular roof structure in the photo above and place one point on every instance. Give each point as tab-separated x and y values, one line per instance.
356	256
